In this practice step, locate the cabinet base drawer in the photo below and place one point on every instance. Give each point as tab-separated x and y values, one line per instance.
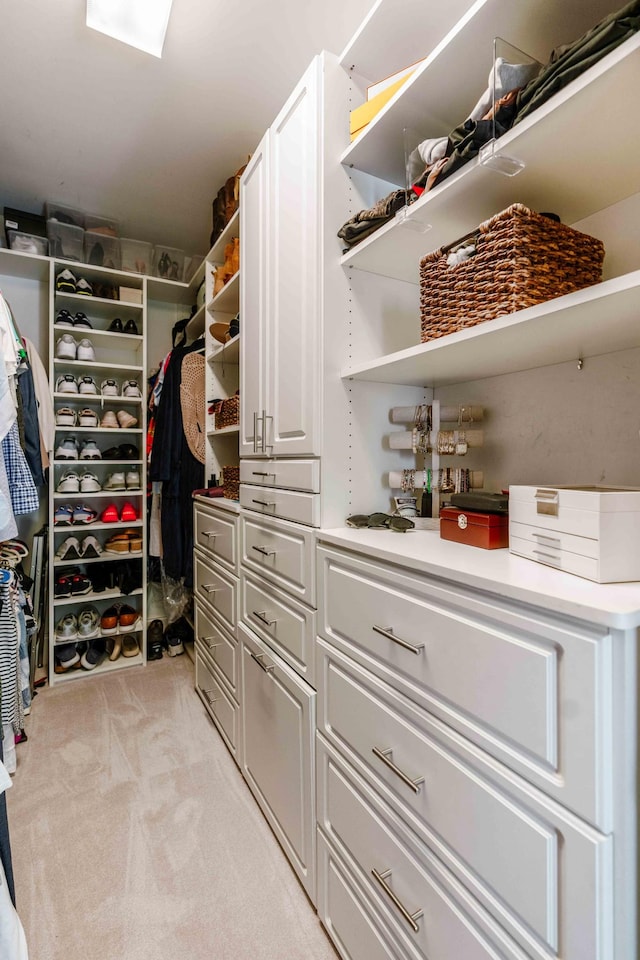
216	534
219	705
290	474
287	504
216	644
217	589
281	553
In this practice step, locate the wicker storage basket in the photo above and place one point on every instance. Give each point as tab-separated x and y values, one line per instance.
228	412
231	483
523	258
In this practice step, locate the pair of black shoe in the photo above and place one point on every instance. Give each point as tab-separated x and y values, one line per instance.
172	639
126	451
122	575
129	327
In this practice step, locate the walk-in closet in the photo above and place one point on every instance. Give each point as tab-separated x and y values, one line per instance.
320	480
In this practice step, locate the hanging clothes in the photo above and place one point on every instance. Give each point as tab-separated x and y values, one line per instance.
30	428
44	403
24	495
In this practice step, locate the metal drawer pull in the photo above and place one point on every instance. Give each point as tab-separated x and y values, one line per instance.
265	503
262	473
264	551
255	431
262	617
209	588
385	756
267	667
210	700
206	641
390	635
209	534
544	536
409	917
549	556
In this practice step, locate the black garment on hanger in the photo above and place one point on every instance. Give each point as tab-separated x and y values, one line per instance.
29	408
180	472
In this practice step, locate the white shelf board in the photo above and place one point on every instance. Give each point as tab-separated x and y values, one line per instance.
476	192
26	266
225	431
112	430
604	318
105	667
87	463
104	557
431	103
97	493
96	364
92	272
232	229
226	353
195	327
227	300
167	291
90	597
100	398
90	527
100	301
113	339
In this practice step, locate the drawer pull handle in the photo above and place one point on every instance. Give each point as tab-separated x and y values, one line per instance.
210	700
549	556
209	533
409	917
390	635
544	536
385	756
209	588
262	617
206	641
265	503
264	551
262	473
267	667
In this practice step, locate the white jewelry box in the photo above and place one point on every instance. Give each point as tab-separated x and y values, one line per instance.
591	531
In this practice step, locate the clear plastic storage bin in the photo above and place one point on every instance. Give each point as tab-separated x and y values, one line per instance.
64	214
168	263
136	256
65	241
104	225
28	242
101	250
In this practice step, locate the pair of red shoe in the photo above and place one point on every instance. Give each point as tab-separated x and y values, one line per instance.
127	515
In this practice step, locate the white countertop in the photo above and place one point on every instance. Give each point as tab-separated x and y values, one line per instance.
221	503
614	605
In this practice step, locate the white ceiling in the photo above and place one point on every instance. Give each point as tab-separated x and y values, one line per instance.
90	122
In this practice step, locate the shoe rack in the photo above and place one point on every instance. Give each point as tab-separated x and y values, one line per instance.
101	578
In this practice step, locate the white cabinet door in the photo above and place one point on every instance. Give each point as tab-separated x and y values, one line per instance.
295	308
254	218
278	758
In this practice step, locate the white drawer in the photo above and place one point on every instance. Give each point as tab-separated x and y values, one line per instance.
538	870
291	474
224	712
216	644
278	736
534	693
216	535
576	563
432	916
217	589
287	504
287	625
350	918
282	553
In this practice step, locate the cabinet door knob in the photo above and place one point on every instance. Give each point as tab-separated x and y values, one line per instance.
411	918
262	617
264	551
390	635
267	667
385	756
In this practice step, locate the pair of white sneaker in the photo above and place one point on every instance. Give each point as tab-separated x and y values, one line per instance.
67	348
72	482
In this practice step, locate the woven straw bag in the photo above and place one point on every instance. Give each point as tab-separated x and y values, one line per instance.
192	403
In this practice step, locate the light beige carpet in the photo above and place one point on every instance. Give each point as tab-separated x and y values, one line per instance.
134	836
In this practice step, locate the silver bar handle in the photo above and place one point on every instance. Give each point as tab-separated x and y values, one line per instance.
264	431
409	917
264	503
206	641
264	552
549	556
551	495
385	756
544	536
267	667
262	617
209	588
210	700
262	473
255	431
208	534
390	635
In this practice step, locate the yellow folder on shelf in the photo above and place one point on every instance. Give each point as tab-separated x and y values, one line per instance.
364	114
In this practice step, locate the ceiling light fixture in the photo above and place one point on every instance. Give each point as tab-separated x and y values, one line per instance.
140	23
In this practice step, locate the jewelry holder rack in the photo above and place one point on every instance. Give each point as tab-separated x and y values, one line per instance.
429	442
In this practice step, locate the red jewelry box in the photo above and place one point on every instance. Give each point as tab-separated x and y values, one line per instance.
488	530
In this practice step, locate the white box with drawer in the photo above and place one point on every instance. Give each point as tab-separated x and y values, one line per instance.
280	552
287	504
593	532
215	533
